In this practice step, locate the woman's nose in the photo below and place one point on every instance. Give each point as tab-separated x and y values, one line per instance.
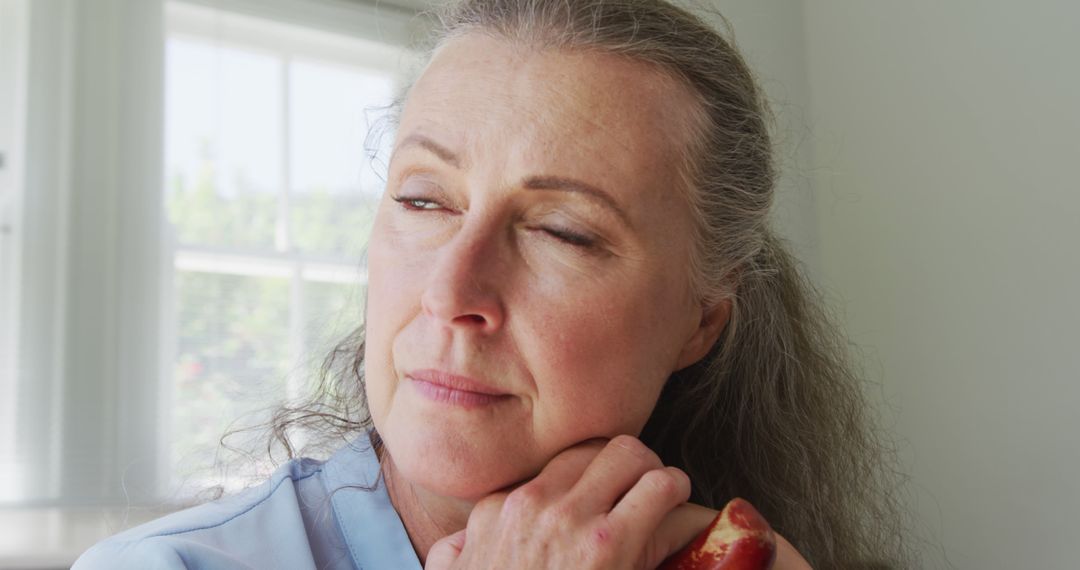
463	285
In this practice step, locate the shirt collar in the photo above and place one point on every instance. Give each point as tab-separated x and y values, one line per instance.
372	529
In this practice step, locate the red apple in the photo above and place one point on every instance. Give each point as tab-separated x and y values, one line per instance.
739	538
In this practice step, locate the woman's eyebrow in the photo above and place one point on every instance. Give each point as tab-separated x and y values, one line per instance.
564	184
445	154
558	183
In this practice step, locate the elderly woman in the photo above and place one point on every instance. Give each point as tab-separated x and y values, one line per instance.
581	336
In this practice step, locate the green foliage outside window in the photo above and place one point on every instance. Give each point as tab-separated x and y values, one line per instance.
233	331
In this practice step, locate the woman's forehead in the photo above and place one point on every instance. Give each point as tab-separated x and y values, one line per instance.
554	106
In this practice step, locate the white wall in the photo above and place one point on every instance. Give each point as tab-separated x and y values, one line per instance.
769	33
12	77
946	154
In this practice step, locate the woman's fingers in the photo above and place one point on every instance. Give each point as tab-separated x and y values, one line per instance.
787	558
603	504
613	472
655	514
445	552
565	469
595	505
622	484
679	528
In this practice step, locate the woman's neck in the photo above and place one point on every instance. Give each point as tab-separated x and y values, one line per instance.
427	517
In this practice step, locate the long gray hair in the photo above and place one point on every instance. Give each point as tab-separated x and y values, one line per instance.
775	412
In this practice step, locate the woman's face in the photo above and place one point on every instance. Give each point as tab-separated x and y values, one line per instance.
528	281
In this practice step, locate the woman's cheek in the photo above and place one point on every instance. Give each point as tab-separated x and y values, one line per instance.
595	381
389	302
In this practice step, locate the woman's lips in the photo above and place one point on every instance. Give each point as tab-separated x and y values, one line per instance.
453	389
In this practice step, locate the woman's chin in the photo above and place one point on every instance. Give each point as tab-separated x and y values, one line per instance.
450	469
464	489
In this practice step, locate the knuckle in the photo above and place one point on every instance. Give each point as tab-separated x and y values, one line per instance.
523	500
476	523
442	547
663	482
557	515
486	509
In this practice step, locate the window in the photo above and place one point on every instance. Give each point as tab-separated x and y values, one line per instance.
184	197
270	189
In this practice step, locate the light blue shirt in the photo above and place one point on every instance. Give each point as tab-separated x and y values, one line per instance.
309	515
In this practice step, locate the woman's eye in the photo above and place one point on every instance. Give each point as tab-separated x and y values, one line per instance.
417	203
572	238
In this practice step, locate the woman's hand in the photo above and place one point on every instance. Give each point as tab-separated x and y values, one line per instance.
595	505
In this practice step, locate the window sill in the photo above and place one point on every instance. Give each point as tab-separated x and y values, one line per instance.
53	537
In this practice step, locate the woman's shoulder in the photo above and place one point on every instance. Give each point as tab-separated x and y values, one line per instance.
284	522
